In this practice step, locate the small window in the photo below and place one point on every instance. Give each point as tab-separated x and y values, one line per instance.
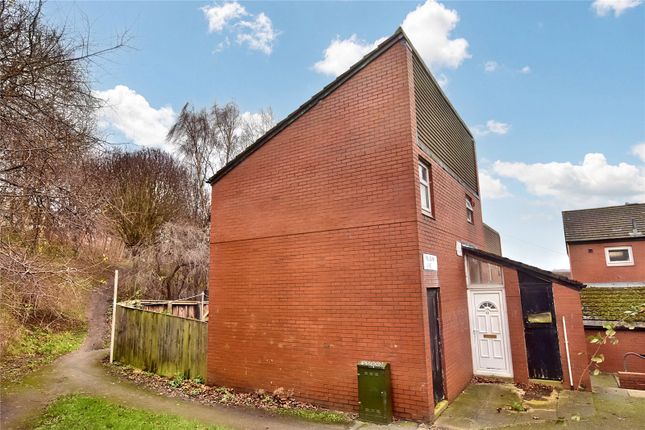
619	256
470	211
425	188
480	272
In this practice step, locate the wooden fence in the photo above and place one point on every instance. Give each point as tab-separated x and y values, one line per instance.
180	308
161	343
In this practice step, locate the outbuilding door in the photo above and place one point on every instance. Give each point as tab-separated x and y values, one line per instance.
435	345
540	329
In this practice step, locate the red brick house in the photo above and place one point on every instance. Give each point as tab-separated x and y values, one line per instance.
353	231
606	248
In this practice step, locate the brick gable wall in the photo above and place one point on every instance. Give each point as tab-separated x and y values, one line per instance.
314	262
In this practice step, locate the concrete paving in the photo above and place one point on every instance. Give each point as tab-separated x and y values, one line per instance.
483	406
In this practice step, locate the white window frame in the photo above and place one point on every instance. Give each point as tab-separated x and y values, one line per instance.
629	262
428	187
470	210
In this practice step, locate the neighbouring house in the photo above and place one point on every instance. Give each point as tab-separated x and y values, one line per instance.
353	231
606	248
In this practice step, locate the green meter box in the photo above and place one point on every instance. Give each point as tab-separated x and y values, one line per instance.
375	392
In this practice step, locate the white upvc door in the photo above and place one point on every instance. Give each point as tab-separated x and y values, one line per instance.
490	341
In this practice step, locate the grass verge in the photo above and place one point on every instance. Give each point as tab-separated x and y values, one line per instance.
37	348
317	416
85	412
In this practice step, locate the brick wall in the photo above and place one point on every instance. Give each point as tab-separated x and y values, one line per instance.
438	235
588	262
628	341
631	380
516	326
567	304
315	262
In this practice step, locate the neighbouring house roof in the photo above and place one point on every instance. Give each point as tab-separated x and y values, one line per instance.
398	35
610	223
535	271
602	304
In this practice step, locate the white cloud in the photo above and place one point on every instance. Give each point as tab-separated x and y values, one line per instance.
130	113
442	80
223	45
341	54
592	182
639	151
491	188
492	126
256	31
219	16
258	34
428	27
604	7
497	127
491	66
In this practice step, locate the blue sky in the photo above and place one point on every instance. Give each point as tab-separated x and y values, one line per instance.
554	91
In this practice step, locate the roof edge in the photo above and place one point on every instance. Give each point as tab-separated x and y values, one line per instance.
607	239
593	323
604	207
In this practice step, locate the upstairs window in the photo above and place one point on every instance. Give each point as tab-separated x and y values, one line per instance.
619	256
425	188
470	210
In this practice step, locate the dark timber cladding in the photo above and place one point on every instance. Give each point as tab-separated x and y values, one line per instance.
440	131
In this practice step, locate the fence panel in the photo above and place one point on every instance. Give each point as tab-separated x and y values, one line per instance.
160	343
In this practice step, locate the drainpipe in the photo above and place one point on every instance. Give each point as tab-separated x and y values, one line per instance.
566	345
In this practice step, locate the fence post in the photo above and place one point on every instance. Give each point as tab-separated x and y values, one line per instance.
116	286
201	309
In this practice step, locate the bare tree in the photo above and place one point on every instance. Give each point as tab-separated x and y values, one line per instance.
47	123
196	138
141	191
47	141
174	266
236	131
228	123
256	125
